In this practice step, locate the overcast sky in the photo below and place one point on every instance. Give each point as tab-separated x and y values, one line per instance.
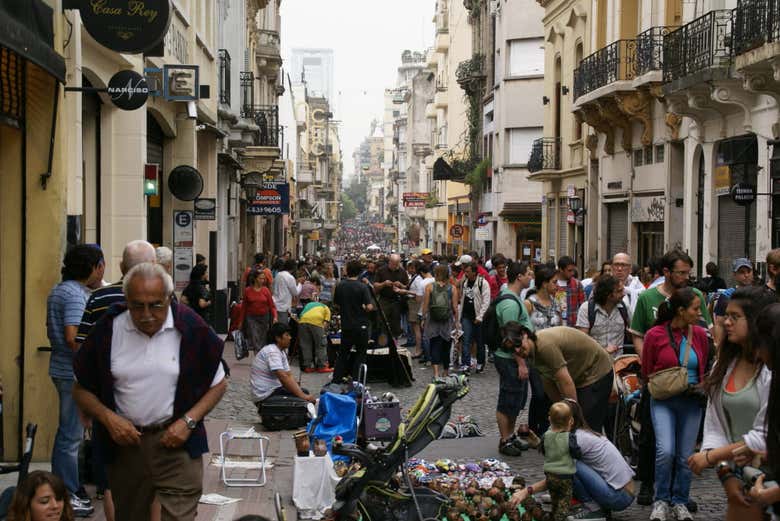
367	37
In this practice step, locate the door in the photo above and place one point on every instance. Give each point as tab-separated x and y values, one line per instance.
155	140
617	229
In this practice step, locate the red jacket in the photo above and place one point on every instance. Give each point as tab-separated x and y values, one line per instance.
658	354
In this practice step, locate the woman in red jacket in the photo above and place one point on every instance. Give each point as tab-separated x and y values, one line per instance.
258	311
676	419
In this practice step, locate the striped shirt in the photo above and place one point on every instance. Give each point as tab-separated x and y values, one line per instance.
262	377
97	305
64	307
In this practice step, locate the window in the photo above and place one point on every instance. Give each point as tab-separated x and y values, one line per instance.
649	155
659	153
520	141
638	157
526	57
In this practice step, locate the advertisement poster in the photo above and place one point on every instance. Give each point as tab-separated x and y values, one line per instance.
271	199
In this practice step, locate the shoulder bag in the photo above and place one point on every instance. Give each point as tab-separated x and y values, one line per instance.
668	383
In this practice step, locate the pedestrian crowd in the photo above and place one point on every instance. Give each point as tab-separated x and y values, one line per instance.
141	368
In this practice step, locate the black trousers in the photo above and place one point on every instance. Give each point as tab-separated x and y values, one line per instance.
594	400
646	464
539	409
348	363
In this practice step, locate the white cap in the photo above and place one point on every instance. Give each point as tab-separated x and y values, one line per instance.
464	259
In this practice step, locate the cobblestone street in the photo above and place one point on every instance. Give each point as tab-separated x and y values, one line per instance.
480	404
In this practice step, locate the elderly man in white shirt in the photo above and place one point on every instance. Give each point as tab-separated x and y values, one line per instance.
621	270
149	374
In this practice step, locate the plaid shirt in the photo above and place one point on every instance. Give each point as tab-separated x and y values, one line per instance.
201	354
574	298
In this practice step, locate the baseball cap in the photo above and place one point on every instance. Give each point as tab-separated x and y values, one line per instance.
464	259
742	262
425	251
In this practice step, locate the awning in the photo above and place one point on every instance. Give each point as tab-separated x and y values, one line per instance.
442	171
522	213
27	28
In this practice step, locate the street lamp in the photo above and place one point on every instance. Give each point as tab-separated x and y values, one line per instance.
575	203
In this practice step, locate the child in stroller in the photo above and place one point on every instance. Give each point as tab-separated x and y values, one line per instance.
368	491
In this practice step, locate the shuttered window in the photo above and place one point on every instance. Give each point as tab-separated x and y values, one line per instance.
731	235
617	229
563	225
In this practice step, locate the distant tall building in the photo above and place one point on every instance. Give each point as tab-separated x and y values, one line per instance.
316	65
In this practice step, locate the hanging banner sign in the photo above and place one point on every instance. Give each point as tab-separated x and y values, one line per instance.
205	209
128	90
127	26
743	194
415	199
270	199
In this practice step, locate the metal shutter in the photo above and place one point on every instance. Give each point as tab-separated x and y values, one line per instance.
617	229
731	235
563	210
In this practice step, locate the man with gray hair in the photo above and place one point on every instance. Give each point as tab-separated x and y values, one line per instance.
149	373
632	286
165	258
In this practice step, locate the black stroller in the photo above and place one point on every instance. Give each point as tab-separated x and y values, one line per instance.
368	492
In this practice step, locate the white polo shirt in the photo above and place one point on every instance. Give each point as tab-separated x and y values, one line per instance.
146	370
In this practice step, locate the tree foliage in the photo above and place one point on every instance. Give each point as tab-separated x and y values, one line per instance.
348	210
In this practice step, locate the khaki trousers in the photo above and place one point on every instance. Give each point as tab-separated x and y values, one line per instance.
140	473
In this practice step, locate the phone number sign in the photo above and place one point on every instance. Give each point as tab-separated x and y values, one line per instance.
270	199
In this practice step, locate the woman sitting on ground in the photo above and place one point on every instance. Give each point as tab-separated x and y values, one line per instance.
270	374
41	497
603	481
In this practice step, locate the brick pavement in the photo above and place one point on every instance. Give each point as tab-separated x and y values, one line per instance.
480	404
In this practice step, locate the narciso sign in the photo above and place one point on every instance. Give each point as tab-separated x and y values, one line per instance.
128	90
129	26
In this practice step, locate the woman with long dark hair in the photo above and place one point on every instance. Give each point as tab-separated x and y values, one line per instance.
258	311
675	340
768	348
738	390
41	497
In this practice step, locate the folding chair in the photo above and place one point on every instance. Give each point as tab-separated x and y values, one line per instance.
243	432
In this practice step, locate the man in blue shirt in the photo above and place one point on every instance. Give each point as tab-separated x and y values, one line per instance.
64	309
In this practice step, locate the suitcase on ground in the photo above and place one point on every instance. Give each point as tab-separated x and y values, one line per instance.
283	413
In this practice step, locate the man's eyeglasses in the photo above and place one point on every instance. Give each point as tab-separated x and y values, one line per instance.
681	273
153	306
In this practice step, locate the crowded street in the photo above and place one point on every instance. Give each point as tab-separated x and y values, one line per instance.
409	260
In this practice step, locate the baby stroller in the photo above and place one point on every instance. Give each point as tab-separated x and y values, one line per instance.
627	393
368	492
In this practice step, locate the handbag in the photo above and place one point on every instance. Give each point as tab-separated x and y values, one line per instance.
239	344
668	383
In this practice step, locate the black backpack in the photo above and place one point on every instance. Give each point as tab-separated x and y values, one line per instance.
491	329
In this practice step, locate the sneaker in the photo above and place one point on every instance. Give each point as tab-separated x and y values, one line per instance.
521	443
81	509
646	494
589	511
508	448
480	368
660	511
82	494
681	513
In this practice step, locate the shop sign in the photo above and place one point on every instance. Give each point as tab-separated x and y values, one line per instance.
721	181
648	209
570	217
182	266
128	90
482	220
571	191
206	209
743	194
270	199
126	26
182	228
182	247
415	199
456	231
482	233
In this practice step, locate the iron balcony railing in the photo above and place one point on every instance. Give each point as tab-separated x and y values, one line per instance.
698	45
247	93
545	154
266	117
224	77
650	49
615	62
756	22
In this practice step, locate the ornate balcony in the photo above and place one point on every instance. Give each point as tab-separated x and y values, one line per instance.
705	43
756	22
650	49
615	62
266	117
545	154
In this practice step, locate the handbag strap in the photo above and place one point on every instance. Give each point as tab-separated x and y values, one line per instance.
676	348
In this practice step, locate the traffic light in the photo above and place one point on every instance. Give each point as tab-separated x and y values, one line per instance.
151	179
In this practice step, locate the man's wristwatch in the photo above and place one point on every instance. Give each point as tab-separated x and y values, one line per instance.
191	424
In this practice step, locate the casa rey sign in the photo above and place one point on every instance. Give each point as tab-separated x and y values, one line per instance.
128	26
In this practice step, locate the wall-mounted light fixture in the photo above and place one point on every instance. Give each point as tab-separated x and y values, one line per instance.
545	100
564	90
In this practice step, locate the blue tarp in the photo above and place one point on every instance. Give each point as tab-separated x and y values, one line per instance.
336	416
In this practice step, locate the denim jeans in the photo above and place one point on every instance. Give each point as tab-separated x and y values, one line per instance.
65	453
676	424
471	332
590	486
